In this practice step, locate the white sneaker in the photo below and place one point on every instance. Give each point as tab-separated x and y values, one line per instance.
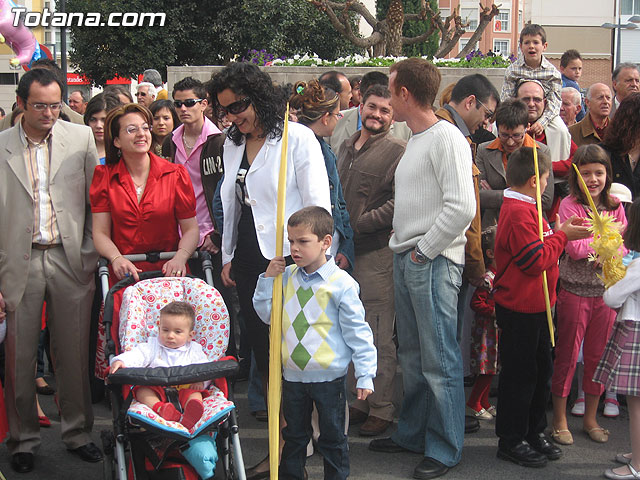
578	408
611	409
480	415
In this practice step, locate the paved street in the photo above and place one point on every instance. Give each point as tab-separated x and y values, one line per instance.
582	460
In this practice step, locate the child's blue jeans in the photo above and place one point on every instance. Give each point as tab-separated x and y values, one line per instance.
297	403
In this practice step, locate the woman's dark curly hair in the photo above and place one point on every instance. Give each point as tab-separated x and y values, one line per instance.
247	79
622	133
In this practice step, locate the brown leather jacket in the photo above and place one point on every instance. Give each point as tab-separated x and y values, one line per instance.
367	182
474	259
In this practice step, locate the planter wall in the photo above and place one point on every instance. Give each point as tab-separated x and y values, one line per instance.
295	74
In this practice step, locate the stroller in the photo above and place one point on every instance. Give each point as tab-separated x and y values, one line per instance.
144	445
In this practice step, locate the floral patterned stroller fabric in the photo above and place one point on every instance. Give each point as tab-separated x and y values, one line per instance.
139	318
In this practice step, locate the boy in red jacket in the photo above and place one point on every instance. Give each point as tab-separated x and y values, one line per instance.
525	346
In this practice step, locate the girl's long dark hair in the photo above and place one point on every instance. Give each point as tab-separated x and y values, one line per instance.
586	155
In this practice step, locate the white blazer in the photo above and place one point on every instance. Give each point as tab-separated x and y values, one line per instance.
307	184
625	294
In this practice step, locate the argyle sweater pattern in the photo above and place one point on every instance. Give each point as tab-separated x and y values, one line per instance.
323	325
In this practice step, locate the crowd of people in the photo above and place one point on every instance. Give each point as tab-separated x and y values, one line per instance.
402	218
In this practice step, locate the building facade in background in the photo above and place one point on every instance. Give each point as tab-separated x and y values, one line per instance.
500	36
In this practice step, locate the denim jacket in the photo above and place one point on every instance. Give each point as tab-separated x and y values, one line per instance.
338	206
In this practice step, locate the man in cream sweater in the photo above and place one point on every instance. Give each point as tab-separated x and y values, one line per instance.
434	205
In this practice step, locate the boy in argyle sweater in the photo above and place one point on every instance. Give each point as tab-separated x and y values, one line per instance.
323	330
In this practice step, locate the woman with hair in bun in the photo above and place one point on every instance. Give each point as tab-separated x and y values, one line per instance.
318	108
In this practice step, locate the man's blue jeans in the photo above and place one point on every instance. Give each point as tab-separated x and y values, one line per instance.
297	403
432	415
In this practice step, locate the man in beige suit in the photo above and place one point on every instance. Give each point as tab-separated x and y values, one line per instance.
46	254
49	64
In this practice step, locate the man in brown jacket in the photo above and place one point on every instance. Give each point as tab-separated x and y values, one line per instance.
473	100
368	161
592	127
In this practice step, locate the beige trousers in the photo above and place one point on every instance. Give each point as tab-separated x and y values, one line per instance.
374	273
50	279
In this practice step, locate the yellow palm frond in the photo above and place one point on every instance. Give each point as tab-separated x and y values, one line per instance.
607	241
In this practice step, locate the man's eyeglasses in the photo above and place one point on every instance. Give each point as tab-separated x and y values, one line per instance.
488	113
235	108
41	107
187	103
516	137
133	129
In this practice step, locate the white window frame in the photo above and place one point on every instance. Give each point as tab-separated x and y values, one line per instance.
520	20
507	12
444	13
505	40
473	16
463	43
635	7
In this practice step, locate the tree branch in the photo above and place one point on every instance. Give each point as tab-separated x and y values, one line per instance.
423	37
343	26
486	16
352	5
450	36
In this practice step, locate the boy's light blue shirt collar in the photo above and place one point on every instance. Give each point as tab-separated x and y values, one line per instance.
325	271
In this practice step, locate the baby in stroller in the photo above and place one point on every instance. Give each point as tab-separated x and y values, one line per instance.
173	347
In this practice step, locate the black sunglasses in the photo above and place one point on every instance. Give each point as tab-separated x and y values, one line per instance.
187	103
235	108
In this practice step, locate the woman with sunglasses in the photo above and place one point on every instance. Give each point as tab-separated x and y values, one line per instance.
165	120
249	191
492	157
140	202
318	108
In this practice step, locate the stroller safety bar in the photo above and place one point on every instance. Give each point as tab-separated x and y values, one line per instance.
162	376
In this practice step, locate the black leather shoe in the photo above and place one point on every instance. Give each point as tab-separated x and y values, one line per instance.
471	424
542	444
22	462
429	468
46	390
386	445
522	454
89	452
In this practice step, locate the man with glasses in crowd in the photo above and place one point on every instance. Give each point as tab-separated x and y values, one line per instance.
555	135
145	93
473	102
512	120
46	253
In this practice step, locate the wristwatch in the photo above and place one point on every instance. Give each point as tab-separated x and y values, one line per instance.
420	257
